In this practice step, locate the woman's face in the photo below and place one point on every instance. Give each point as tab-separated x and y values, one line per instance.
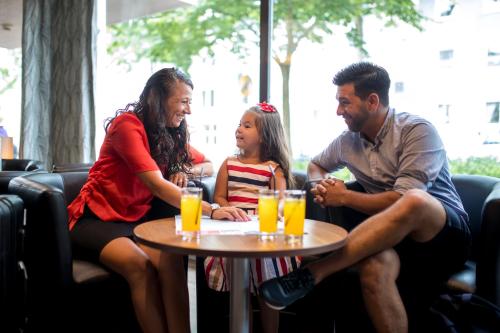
178	104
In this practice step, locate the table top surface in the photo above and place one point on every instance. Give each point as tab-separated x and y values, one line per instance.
319	237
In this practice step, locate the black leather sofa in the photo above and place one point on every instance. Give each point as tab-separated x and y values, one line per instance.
65	294
12	168
21	165
71	167
481	274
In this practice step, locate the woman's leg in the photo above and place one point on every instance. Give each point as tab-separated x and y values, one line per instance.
123	256
270	318
173	285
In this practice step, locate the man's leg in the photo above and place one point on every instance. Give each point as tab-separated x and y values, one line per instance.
417	215
378	275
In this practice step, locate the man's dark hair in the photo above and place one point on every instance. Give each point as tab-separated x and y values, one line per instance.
367	78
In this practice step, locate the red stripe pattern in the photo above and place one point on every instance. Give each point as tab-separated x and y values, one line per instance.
255	171
244	182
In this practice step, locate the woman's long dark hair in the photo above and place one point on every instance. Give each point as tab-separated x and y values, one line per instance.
168	145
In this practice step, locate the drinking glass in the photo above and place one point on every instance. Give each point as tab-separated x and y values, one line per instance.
294	214
191	212
268	214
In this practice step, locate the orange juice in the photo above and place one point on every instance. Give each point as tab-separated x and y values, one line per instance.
268	214
191	210
294	213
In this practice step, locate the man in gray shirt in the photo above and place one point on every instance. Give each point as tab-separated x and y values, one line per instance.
415	219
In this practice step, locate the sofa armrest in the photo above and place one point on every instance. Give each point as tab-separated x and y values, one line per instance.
488	263
208	186
21	165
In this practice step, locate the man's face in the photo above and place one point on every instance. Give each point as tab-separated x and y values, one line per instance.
352	108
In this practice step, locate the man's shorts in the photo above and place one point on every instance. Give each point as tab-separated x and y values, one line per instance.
426	266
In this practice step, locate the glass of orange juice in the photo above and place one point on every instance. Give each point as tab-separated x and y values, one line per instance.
268	214
191	212
294	215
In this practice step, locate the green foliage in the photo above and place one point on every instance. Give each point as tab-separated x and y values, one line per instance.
486	166
343	174
176	36
301	165
10	74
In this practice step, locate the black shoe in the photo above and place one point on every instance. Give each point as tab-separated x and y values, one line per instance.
280	292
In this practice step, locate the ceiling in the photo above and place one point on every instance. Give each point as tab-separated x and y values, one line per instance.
11	15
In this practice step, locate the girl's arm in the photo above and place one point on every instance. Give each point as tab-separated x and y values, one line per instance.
220	192
280	180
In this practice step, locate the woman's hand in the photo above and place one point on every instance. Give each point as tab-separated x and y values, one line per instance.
230	213
180	179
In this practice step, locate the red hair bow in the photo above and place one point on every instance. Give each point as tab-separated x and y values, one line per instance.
264	106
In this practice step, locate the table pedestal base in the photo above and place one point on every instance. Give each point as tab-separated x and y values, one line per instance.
240	296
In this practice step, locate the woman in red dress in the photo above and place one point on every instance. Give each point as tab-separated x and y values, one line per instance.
144	156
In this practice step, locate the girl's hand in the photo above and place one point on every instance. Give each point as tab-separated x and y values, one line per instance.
230	213
180	179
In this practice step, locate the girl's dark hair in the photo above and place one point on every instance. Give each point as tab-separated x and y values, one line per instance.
273	145
168	145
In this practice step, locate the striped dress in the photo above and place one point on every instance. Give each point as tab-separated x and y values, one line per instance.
244	183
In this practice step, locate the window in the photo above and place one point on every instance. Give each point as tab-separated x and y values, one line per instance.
444	112
449	10
491	129
10	92
399	87
493	57
493	112
446	55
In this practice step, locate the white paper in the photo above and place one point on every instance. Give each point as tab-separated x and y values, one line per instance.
224	227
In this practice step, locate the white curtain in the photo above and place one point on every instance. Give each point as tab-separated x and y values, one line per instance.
59	52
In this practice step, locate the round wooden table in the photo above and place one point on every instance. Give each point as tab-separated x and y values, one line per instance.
319	237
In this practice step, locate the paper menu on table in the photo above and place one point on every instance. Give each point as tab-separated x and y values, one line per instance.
225	227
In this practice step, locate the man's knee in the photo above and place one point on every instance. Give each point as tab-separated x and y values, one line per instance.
415	200
424	212
377	271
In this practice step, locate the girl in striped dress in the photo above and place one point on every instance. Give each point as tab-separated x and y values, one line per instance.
262	147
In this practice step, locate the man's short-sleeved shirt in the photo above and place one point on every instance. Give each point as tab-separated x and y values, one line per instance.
407	153
113	190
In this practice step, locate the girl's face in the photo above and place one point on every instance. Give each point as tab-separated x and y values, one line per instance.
247	134
178	104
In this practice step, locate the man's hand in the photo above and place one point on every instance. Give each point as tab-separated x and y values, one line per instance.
329	192
230	213
180	179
